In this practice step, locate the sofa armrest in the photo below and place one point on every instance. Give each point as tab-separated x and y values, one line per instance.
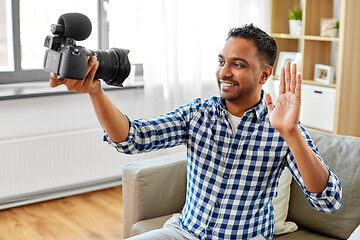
153	188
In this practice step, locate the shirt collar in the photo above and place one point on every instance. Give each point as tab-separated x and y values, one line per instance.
260	110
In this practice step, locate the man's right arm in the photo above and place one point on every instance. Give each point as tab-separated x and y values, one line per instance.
114	122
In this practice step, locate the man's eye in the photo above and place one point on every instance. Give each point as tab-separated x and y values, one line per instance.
221	62
238	65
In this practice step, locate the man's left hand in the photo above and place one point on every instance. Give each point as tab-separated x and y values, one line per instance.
284	117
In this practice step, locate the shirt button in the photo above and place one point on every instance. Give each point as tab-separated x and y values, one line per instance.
217	204
226	176
208	229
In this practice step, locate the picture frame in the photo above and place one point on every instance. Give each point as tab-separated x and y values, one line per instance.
284	57
324	74
328	27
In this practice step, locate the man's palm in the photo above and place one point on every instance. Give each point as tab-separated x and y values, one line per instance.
285	115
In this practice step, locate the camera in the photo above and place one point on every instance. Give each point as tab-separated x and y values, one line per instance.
67	60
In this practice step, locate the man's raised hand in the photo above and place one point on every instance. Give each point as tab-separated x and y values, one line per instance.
284	116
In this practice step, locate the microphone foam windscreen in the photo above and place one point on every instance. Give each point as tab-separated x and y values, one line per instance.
76	26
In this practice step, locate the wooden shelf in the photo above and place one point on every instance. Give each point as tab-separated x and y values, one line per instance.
306	37
285	36
339	52
320	38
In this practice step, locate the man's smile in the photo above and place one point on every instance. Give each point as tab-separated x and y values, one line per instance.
226	84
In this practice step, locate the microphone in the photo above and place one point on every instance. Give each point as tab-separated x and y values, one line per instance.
73	25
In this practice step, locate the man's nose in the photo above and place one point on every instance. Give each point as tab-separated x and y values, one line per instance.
225	71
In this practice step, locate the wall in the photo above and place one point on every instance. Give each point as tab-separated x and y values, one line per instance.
60	113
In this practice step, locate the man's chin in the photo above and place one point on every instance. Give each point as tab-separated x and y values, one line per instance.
228	97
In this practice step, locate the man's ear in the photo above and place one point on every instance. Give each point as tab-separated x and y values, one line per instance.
267	71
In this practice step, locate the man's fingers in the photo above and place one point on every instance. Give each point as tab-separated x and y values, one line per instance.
90	77
269	102
77	85
70	84
92	62
298	86
54	81
288	76
293	78
282	81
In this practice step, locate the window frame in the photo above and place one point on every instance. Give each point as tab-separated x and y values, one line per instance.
19	75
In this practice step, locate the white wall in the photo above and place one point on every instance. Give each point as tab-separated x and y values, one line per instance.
60	113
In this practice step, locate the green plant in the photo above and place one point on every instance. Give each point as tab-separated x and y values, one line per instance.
295	13
337	24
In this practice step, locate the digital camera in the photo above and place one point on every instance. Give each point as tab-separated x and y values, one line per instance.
67	60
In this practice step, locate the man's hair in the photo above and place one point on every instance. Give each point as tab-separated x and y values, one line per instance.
265	44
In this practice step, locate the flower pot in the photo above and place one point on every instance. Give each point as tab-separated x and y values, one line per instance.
295	27
334	32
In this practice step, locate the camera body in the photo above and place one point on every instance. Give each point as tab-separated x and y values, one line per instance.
67	60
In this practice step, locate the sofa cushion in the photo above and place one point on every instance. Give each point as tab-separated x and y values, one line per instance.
148	225
303	234
281	204
342	155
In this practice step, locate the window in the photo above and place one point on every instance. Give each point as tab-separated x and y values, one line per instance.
36	17
24	24
126	29
7	59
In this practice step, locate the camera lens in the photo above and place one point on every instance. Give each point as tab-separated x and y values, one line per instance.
114	66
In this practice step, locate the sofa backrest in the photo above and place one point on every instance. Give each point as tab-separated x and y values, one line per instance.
342	155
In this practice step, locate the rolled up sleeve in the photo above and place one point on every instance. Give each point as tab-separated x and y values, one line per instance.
165	131
330	199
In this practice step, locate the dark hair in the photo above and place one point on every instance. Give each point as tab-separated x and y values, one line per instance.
265	44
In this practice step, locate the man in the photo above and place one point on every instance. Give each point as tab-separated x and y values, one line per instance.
237	144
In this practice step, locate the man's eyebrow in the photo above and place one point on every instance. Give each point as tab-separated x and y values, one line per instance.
235	59
241	59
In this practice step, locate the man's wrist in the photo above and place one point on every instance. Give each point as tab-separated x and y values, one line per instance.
289	135
96	92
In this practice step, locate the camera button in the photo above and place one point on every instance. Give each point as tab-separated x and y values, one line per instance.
76	52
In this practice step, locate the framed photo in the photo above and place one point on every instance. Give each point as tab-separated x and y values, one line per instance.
324	74
284	57
328	27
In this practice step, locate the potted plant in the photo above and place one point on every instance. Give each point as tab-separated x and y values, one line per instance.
295	20
335	30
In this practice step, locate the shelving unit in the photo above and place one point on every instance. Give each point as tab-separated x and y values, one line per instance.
316	49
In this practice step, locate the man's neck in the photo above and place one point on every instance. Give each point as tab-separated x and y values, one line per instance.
240	106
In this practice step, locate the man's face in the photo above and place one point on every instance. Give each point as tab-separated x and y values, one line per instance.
239	71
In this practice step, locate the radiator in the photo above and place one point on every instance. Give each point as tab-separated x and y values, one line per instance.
39	168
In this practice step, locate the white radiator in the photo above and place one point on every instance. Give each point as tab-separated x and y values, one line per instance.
45	167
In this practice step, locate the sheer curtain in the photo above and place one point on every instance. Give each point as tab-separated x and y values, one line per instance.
181	40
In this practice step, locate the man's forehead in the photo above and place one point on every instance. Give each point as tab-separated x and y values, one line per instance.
238	48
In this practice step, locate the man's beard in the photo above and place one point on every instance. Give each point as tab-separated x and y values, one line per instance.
233	97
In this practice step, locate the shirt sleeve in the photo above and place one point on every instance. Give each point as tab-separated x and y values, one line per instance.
330	199
161	132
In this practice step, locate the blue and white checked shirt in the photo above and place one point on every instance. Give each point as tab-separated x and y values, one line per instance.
231	179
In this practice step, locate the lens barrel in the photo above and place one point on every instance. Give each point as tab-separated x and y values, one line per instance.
114	66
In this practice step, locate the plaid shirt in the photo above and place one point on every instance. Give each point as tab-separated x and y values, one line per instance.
231	179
